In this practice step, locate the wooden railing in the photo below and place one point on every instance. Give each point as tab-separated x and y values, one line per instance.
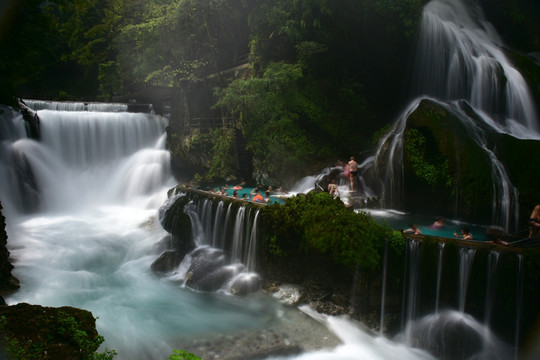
207	124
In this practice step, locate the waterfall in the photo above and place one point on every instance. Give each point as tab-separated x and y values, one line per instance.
238	234
519	301
96	180
460	56
460	59
466	257
223	257
384	171
251	255
439	273
218	225
413	257
383	287
85	106
493	260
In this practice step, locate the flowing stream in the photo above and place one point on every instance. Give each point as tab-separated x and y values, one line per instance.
97	180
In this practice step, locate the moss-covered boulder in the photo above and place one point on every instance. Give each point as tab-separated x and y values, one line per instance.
36	332
445	170
448	172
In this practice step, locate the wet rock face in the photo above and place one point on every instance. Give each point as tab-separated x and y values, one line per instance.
36	332
7	281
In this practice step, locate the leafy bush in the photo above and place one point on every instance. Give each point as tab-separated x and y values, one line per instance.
183	355
318	223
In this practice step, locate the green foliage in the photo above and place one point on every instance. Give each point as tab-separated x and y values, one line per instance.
397	243
318	223
69	327
109	80
427	163
222	164
182	355
275	117
407	11
66	328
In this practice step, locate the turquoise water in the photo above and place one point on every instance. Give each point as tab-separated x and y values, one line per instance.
400	220
274	199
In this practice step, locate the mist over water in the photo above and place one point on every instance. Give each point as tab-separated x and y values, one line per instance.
97	179
92	239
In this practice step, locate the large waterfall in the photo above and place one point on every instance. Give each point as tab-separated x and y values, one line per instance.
461	65
460	56
96	180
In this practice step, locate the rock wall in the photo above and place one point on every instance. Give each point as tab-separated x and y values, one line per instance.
7	281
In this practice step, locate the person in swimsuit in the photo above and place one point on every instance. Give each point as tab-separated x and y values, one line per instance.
534	222
413	230
333	188
465	234
353	171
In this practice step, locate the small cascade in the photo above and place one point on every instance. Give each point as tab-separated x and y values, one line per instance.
218	225
238	234
454	335
381	175
206	220
251	255
466	258
226	253
439	273
519	302
411	285
493	260
447	333
383	287
226	227
505	194
38	105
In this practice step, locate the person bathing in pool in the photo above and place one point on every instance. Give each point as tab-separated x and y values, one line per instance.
465	234
413	230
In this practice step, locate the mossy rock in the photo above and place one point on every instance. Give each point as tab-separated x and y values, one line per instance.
444	166
36	332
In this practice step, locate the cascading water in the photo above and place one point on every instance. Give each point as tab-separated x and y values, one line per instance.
460	58
98	179
491	284
439	273
519	291
413	253
466	258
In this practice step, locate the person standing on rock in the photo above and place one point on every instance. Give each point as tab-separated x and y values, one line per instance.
353	171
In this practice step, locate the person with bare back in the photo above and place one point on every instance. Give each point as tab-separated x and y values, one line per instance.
353	171
534	222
